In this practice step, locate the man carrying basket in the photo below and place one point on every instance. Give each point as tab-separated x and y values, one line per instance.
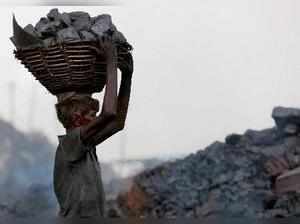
77	173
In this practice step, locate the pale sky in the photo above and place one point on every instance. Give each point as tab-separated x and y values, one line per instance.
203	69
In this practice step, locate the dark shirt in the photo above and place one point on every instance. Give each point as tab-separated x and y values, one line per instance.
77	177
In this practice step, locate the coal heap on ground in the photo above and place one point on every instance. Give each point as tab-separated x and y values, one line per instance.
226	178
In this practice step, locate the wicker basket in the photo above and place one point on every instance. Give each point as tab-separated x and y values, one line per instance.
77	66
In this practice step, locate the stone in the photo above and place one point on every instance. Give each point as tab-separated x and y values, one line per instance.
81	27
41	24
291	129
233	139
79	20
30	29
82	23
87	36
292	154
103	25
286	116
285	112
104	19
65	19
50	29
53	14
78	14
67	35
262	138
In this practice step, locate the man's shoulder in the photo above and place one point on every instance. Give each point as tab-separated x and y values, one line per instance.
71	145
75	132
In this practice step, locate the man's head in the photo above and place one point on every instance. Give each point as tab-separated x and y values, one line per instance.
74	110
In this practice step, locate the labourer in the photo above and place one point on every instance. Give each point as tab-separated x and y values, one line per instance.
77	174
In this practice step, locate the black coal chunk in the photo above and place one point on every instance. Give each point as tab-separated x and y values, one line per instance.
103	25
65	19
75	26
80	20
264	137
54	14
87	36
50	28
78	14
287	120
82	23
233	139
41	24
30	29
67	34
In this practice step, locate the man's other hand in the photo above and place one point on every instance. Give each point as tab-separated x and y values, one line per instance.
125	63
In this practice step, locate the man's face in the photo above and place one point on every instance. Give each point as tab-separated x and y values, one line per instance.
84	118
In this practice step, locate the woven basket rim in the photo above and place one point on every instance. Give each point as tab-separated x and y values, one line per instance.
72	76
70	43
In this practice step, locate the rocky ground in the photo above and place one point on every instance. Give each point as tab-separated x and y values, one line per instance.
226	178
26	167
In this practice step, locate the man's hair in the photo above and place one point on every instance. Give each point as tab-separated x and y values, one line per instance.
77	103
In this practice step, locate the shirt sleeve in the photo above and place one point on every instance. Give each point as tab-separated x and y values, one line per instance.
72	146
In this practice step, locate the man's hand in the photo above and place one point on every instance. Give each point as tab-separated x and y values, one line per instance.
125	60
125	63
276	166
118	123
107	46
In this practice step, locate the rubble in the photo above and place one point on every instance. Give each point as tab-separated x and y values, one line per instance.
67	34
65	18
84	35
103	25
40	24
80	20
49	29
30	29
226	178
223	179
74	26
53	14
287	120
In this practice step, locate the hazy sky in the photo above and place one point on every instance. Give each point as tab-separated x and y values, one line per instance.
203	69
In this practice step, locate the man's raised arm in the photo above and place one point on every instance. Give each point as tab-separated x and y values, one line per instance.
109	107
118	123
